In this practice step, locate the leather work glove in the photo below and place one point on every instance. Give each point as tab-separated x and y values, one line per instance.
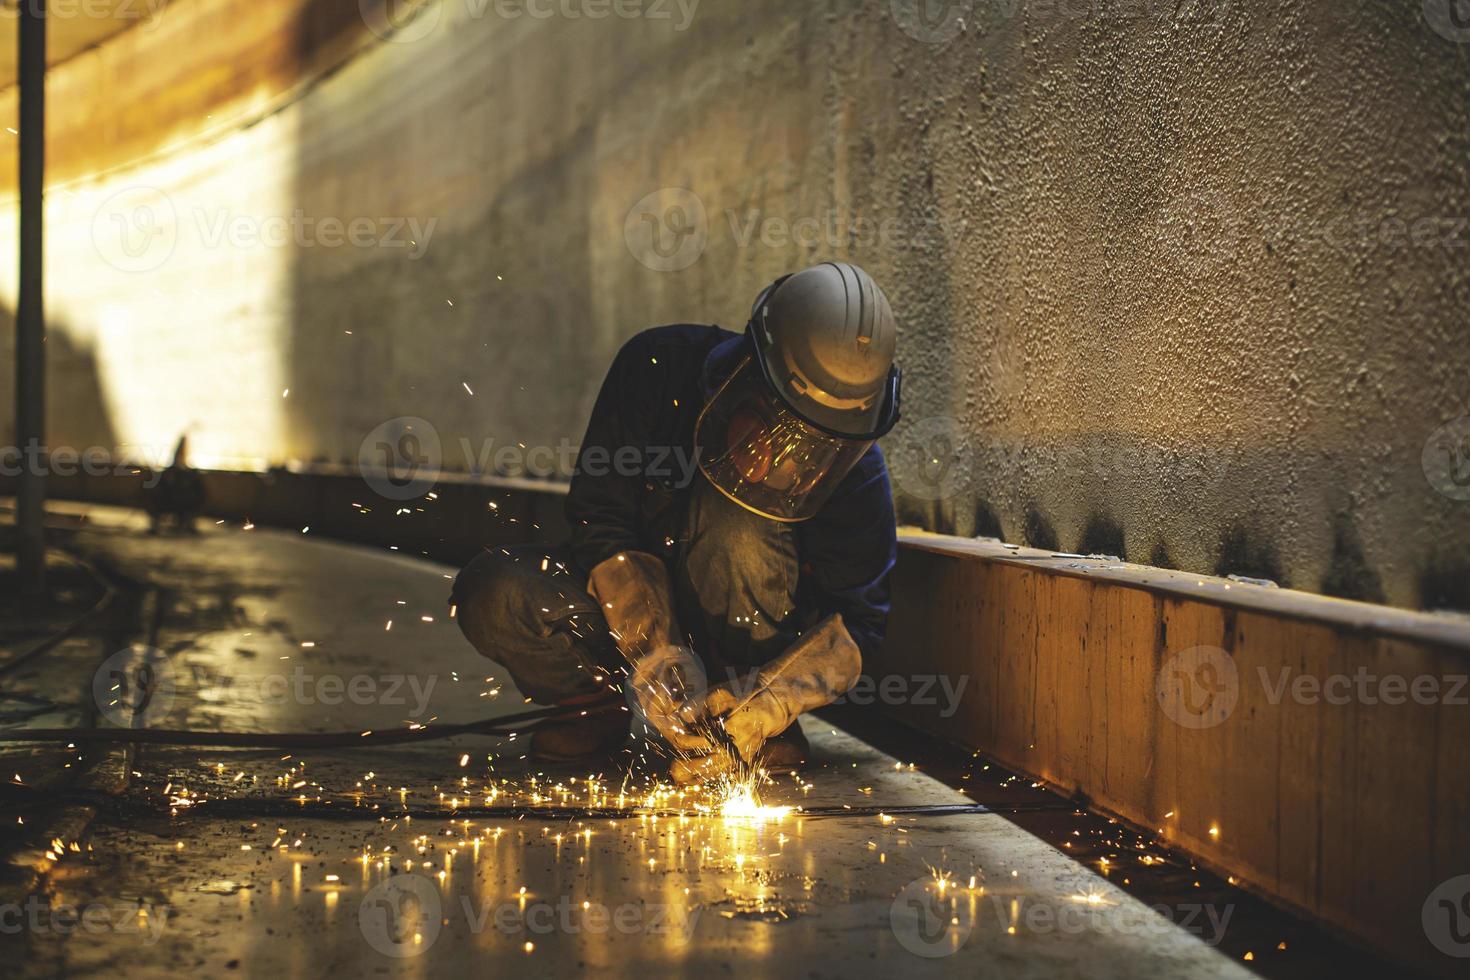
637	600
817	669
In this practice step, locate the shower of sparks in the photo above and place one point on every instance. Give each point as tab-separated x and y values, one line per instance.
742	803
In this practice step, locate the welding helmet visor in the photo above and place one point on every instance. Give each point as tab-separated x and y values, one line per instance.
766	458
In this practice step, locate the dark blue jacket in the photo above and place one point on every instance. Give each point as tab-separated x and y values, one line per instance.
647	409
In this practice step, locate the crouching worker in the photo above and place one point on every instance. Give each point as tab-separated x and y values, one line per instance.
731	517
178	496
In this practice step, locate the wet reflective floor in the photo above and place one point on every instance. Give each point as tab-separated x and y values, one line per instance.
302	862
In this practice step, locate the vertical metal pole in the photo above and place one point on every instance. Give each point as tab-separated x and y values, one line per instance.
30	322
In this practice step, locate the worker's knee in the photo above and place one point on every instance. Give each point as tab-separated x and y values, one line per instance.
490	596
515	598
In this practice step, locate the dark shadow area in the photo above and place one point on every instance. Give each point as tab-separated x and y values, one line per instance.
1350	576
987	522
1246	553
1102	536
1444	582
1160	557
1038	532
76	408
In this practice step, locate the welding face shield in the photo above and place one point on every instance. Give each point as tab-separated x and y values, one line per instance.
766	458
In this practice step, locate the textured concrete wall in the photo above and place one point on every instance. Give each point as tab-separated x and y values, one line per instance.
1181	281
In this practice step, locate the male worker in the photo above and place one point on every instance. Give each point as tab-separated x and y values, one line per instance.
178	495
729	499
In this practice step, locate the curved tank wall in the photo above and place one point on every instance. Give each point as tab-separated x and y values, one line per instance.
1184	283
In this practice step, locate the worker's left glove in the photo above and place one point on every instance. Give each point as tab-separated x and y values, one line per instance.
817	670
637	600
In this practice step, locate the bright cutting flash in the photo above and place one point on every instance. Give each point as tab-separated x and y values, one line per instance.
743	804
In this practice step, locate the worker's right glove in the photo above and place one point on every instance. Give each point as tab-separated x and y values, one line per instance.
637	600
816	670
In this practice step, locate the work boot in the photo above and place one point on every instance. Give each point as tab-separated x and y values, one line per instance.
594	737
787	751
